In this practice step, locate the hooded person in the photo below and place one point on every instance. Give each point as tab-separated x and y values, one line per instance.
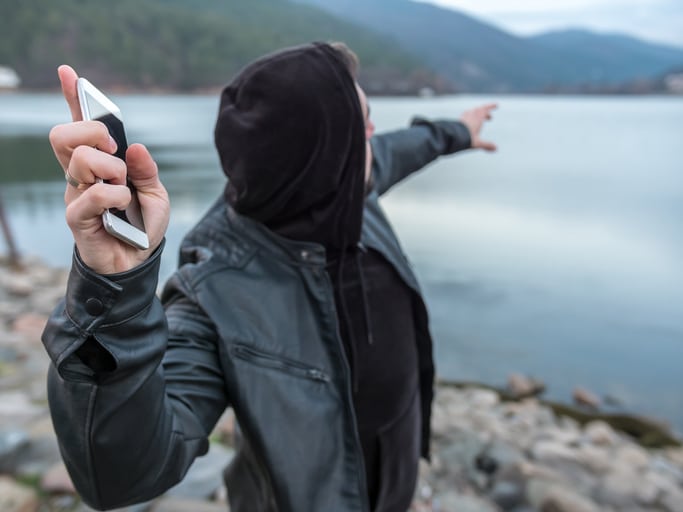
291	137
293	304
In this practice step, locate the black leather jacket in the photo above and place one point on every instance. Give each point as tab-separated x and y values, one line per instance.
247	321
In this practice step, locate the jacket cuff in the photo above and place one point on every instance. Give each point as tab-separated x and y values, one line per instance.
453	135
94	301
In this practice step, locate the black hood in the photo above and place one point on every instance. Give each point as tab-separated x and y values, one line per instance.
291	139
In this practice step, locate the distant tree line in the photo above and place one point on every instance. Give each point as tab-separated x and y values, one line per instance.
182	45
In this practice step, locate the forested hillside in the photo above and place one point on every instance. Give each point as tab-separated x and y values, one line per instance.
177	44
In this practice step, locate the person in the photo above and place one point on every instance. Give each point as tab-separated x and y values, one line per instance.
293	303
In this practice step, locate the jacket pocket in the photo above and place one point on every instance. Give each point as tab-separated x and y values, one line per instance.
277	362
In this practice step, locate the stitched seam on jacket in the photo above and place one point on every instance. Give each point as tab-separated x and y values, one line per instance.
89	451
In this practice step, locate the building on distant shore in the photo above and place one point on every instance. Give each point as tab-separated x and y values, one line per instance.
8	78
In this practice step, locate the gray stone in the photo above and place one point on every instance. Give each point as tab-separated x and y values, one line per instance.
56	480
452	501
619	489
12	444
586	398
523	386
665	467
41	454
504	453
596	458
548	496
507	494
141	507
600	433
16	407
204	477
672	500
185	505
15	497
631	456
561	499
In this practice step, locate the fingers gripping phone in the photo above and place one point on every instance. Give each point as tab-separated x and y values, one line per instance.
126	225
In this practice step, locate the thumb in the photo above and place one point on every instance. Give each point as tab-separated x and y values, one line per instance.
142	169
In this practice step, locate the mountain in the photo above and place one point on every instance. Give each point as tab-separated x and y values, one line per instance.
611	58
177	44
478	56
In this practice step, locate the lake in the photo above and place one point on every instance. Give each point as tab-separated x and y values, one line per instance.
558	256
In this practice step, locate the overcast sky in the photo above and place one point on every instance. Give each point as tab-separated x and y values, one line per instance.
654	20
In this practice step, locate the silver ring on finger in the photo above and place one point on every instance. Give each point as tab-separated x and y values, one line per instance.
71	180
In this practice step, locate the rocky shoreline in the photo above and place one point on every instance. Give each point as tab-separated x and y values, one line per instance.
490	453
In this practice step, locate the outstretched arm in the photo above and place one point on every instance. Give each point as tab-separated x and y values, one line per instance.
400	153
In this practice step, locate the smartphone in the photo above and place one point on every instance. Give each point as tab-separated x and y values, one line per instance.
126	225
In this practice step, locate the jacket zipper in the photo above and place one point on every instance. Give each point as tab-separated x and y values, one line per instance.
264	359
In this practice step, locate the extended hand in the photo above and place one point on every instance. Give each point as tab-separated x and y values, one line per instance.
85	151
474	120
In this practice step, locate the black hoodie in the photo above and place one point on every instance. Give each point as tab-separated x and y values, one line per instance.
290	136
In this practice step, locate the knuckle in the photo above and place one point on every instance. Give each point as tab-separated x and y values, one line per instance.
80	154
102	132
57	135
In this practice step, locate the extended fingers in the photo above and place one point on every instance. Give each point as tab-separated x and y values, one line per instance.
68	78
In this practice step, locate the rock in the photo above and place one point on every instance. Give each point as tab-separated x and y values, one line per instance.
504	453
184	505
57	481
619	489
631	456
452	501
675	455
551	452
600	433
673	500
548	496
19	286
17	498
204	477
507	494
30	325
16	408
521	386
12	444
663	466
482	399
596	458
585	398
560	499
41	454
225	428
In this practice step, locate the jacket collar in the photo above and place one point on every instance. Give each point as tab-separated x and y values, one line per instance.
307	253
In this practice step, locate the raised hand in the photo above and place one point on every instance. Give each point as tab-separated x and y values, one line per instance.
85	150
474	120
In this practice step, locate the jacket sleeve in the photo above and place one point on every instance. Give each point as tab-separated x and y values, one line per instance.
400	153
134	391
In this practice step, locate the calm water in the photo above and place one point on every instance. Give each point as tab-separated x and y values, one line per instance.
558	256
